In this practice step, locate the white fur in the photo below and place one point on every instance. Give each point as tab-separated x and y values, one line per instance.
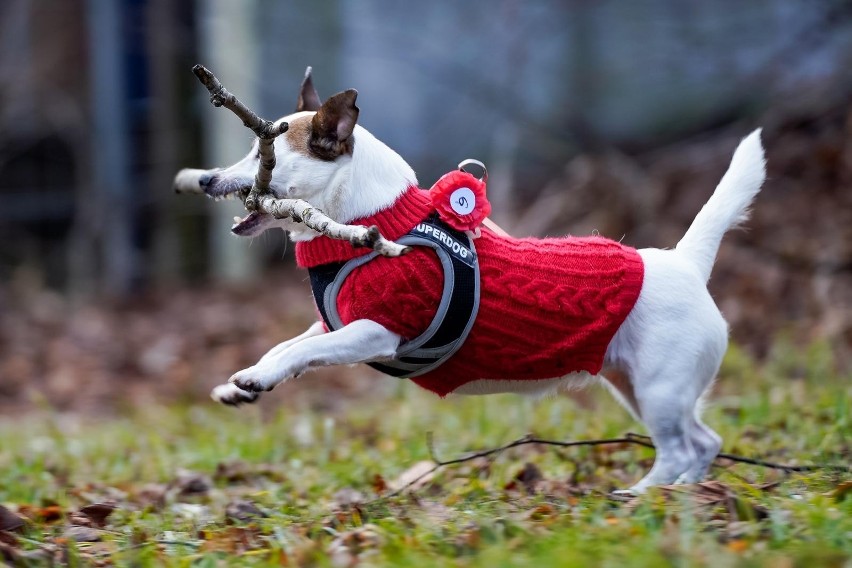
727	207
669	347
346	189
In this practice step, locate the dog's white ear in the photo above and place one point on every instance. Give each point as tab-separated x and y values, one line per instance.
308	97
332	126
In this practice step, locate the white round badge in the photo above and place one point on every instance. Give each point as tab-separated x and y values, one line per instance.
462	201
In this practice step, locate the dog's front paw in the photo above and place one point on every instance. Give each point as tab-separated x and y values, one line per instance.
232	395
254	380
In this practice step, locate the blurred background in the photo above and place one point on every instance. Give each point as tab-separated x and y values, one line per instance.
608	116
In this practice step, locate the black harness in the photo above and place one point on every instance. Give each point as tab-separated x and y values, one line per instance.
456	311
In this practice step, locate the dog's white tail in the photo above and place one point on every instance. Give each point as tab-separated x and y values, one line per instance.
728	205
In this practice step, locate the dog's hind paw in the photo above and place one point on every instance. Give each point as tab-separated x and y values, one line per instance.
232	395
623	494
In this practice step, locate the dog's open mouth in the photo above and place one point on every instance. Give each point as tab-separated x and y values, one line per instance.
246	226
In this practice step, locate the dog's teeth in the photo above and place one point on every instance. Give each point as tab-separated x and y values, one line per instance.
237	219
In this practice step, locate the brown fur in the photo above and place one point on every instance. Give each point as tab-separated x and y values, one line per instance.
299	134
332	126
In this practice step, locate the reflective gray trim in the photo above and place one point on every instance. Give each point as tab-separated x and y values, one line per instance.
456	345
412	348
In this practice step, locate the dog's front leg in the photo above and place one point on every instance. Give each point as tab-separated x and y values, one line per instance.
232	395
358	342
316	329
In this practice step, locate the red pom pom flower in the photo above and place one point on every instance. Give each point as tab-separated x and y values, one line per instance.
460	200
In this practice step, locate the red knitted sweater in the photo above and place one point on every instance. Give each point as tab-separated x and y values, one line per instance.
548	307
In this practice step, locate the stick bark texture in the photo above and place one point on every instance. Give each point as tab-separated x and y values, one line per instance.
259	197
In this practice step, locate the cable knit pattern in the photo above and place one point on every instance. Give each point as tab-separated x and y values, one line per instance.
548	307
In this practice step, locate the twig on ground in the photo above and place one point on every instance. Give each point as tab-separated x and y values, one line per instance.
629	438
259	197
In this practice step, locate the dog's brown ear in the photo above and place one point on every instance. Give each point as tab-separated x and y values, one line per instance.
332	126
308	97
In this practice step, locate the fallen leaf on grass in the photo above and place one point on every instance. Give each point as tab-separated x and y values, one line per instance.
192	483
46	514
9	521
8	538
528	478
97	513
711	493
8	553
82	534
151	495
347	548
421	468
469	539
233	540
379	484
348	497
242	511
842	491
238	471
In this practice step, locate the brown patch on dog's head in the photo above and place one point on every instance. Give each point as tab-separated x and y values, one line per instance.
298	135
308	96
332	126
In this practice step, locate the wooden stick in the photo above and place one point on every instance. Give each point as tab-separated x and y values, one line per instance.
259	197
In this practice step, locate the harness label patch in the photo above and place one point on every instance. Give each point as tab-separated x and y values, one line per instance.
457	249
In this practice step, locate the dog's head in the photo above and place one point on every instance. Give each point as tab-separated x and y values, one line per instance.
312	160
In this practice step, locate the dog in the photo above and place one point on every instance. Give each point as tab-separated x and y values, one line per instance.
658	349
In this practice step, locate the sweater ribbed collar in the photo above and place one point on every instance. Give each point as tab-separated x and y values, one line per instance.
408	210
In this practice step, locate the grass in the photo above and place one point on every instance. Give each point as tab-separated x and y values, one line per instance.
319	479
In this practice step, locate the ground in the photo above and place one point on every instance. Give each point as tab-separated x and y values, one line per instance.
204	485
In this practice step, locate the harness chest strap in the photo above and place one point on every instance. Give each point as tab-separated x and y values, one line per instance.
456	311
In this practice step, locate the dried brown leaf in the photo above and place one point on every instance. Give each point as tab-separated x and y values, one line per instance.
347	547
233	540
98	512
348	497
528	478
8	538
242	511
842	491
235	471
9	553
379	484
9	521
48	514
192	483
421	468
711	493
82	534
151	495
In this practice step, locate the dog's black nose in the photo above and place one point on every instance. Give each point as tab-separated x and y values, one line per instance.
204	179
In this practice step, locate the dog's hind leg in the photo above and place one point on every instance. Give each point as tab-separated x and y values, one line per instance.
707	444
619	386
666	409
670	348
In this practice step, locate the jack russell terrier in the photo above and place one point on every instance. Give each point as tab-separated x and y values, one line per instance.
479	313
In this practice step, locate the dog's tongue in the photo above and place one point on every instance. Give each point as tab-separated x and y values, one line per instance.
246	224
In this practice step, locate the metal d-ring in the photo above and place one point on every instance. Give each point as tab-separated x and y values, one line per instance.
472	162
